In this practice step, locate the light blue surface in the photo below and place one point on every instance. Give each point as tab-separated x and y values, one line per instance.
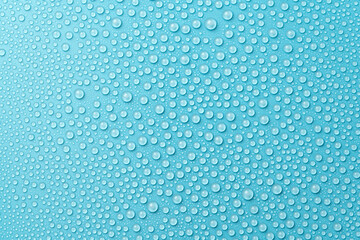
179	119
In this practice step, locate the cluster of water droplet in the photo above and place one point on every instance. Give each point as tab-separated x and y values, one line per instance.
194	119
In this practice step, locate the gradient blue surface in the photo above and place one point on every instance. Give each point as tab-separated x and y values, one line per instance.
178	119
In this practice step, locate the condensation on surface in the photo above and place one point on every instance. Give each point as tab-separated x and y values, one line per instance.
191	119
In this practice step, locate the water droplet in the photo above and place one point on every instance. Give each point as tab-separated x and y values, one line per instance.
210	24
